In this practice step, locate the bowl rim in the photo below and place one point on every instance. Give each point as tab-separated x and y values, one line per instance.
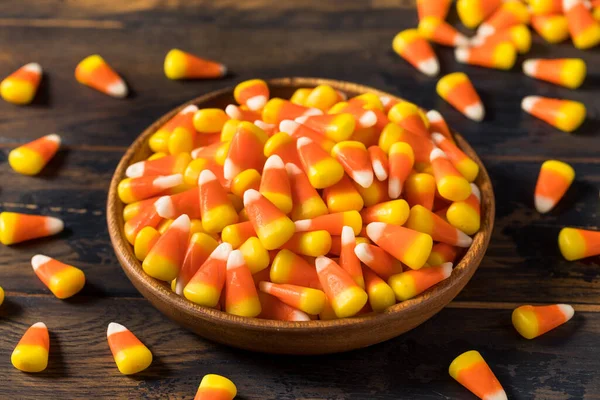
463	270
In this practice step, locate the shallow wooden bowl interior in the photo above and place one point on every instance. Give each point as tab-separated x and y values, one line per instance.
314	337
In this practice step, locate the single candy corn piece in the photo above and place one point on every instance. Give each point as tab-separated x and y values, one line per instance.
438	124
409	246
16	227
167	165
209	120
433	8
271	225
471	371
332	223
411	46
242	113
21	86
423	220
343	196
380	262
31	158
171	207
501	55
381	295
200	247
31	353
442	253
346	297
322	170
519	36
94	72
240	293
336	127
236	234
205	286
466	215
181	65
306	200
354	158
584	29
567	72
322	97
216	209
474	12
311	301
401	159
63	280
457	89
419	188
277	110
510	13
545	7
393	212
463	163
245	151
273	308
247	179
215	387
130	354
144	241
553	28
288	267
411	283
348	259
576	244
533	321
1	296
183	120
408	116
283	145
450	183
166	257
312	244
439	31
379	162
275	184
253	94
255	254
565	115
393	133
135	189
553	182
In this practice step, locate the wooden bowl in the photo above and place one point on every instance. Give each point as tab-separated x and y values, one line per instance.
314	337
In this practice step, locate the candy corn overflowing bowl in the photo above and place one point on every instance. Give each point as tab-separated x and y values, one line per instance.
304	335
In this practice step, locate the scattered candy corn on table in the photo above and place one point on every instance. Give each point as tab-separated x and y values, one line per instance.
349	41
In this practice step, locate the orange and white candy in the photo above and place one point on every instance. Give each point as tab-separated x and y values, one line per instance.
471	371
457	89
253	94
576	244
216	387
499	55
584	29
16	227
552	184
31	158
567	72
353	156
565	115
474	12
63	280
554	28
441	32
518	35
533	321
31	353
433	8
94	72
182	65
510	13
411	46
21	86
130	354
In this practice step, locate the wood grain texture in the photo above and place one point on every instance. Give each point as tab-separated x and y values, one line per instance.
348	40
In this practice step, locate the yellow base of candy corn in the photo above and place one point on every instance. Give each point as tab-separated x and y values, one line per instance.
525	322
464	218
281	201
349	302
218	218
454	188
26	161
247	308
381	296
160	268
403	286
256	256
67	282
17	91
588	38
276	233
571	244
29	358
133	360
202	294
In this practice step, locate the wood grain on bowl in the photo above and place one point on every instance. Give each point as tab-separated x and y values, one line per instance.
314	337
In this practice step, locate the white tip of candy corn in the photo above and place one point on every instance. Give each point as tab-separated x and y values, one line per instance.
256	103
363	253
348	235
568	4
265	286
38	260
299	316
462	54
430	67
113	328
250	196
235	259
301	119
263	125
528	103
303	141
54	225
39	325
436	153
288	126
53	137
233	112
117	89
206	176
274	162
313	111
475	112
368	119
475	191
321	263
33	67
302	225
543	204
499	395
182	222
394	188
437	137
567	311
164	207
363	178
189	109
375	230
461	40
221	252
485	30
434	116
135	170
446	269
530	67
380	172
463	240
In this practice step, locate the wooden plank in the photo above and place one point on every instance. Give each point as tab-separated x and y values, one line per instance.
411	366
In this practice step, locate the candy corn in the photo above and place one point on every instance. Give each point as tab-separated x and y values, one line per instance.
31	158
130	354
207	283
253	94
354	158
242	113
401	160
510	13
322	170
332	223
200	248
441	32
442	253
519	36
181	65
166	257
16	227
532	321
343	196
346	297
471	371
379	162
409	246
63	280
411	46
21	86
275	184
337	127
167	165
245	150
146	217
466	215
31	353
565	115
247	179
216	209
420	145
215	387
284	146
236	234
463	163
584	29
380	262
311	301
374	194
144	241
553	28
277	110
567	72
94	72
450	183
255	254
553	182
433	8
438	124
407	285
1	296
576	244
135	189
181	122
290	268
545	7
306	200
273	308
419	188
500	55
240	293
423	220
457	89
312	244
272	226
474	12
409	117
209	120
322	97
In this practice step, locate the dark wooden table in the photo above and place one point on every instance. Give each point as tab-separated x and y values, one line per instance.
348	40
